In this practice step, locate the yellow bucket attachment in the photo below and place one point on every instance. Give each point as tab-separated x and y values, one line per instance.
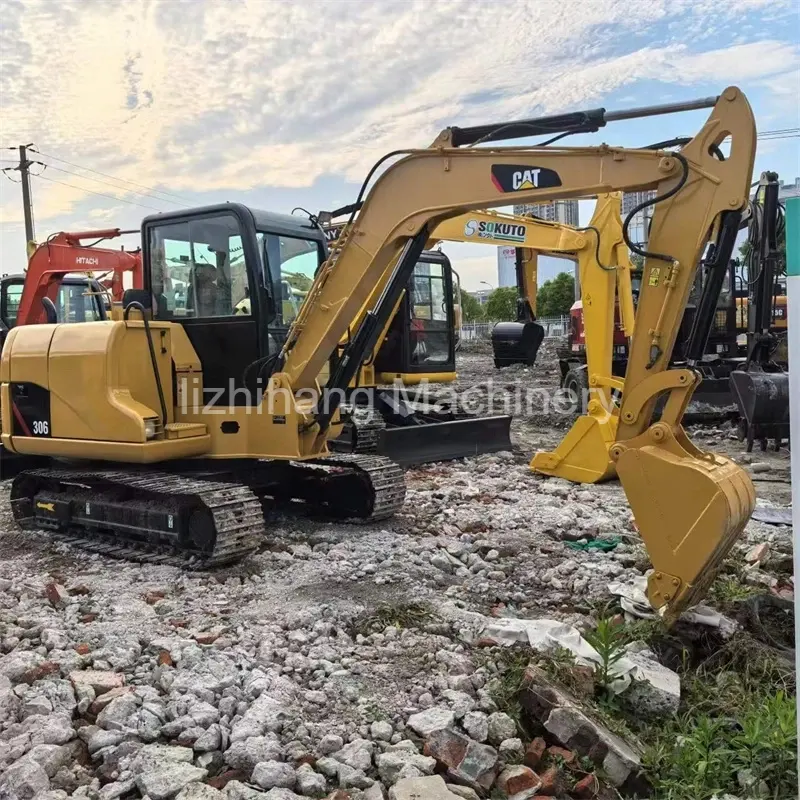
690	508
582	455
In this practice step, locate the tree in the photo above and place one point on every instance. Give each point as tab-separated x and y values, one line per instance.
555	297
502	304
297	281
637	261
471	308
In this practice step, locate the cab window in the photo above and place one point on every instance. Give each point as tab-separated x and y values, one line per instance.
12	296
198	269
293	263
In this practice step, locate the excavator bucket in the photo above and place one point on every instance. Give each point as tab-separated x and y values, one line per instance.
516	343
763	401
689	506
582	455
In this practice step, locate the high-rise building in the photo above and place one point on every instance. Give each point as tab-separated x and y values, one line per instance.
506	266
565	211
639	228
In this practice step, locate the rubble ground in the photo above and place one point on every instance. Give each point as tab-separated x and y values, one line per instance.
351	659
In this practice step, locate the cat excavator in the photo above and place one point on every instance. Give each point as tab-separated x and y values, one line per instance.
162	477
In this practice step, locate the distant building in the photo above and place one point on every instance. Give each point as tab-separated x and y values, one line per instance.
789	190
639	228
481	295
506	266
564	211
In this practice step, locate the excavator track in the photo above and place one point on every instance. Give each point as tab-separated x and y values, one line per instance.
202	519
142	515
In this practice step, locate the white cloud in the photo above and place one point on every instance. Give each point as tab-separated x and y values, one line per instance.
193	95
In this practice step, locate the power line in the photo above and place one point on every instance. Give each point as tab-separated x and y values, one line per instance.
106	175
106	183
99	194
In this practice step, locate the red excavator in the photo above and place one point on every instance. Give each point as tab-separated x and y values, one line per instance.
52	289
64	254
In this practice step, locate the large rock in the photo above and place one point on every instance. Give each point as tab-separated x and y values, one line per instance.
100	681
24	780
657	690
200	791
266	714
236	790
563	717
272	774
245	754
9	702
357	754
466	761
429	788
50	757
476	724
16	664
432	719
501	727
116	716
310	783
166	780
398	764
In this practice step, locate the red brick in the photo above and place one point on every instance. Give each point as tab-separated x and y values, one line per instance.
104	699
83	649
552	782
534	752
56	594
206	638
513	780
560	752
164	658
485	641
41	671
87	618
221	781
586	787
151	598
80	590
178	623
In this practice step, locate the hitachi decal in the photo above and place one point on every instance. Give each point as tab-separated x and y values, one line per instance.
503	231
520	178
89	261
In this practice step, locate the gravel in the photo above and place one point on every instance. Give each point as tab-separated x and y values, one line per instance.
324	661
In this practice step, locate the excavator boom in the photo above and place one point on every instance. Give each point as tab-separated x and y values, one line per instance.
695	192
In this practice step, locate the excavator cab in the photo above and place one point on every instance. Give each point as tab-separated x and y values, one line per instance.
233	261
421	339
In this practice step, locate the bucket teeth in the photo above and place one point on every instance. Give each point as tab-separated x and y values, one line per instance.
689	512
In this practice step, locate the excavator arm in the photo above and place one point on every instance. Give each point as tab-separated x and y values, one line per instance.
63	254
694	190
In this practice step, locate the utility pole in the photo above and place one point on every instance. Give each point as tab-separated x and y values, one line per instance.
27	206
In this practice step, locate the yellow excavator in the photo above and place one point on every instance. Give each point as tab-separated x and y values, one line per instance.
418	342
128	391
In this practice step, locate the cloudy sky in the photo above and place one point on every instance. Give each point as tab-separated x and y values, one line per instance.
278	104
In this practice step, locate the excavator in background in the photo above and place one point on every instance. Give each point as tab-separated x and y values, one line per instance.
205	472
761	385
418	344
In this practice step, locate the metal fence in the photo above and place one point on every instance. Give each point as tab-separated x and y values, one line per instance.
553	328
